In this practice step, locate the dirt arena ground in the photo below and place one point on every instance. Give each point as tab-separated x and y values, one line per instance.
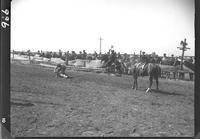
92	104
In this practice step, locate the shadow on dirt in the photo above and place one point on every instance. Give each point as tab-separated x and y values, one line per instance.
161	92
22	104
166	92
27	102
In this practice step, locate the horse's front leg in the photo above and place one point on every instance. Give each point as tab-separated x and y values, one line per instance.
150	84
135	84
157	82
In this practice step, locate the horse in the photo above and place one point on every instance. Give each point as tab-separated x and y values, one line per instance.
175	64
149	69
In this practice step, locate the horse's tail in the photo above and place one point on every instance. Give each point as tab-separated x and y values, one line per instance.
159	71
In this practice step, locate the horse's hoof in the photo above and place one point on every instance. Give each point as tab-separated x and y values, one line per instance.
148	90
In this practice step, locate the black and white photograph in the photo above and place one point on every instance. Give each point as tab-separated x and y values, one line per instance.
102	68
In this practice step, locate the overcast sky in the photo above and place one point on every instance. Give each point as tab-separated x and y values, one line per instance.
128	25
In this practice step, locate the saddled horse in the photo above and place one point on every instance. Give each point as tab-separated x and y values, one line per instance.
150	69
176	64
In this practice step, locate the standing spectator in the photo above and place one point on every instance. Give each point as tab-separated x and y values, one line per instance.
67	58
80	55
95	54
38	52
119	55
172	60
164	57
74	56
84	55
60	53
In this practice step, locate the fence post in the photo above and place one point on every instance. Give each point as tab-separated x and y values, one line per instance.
29	57
84	63
66	60
191	76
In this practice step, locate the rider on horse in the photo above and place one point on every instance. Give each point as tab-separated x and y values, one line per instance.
112	57
141	65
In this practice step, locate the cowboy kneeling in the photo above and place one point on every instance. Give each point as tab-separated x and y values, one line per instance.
60	71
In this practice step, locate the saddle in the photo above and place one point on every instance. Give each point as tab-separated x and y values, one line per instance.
140	65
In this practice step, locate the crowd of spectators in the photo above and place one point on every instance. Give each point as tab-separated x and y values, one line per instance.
111	55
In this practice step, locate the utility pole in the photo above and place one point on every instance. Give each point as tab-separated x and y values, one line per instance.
184	48
100	44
